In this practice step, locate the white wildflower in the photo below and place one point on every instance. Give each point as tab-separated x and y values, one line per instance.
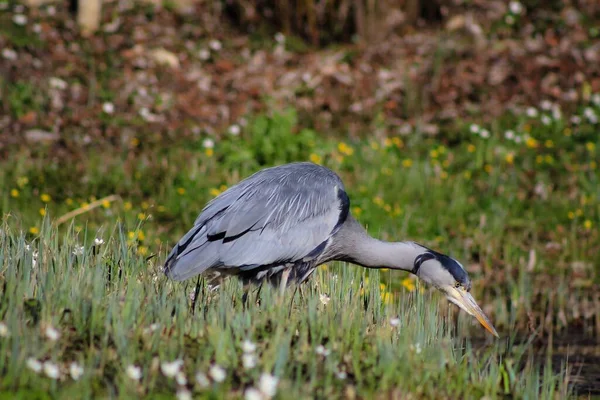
37	28
341	374
9	54
590	115
51	333
509	19
51	370
51	10
217	373
235	130
108	107
280	38
556	113
395	322
78	250
248	361
204	54
19	19
180	378
253	394
192	294
416	348
248	346
546	120
4	332
134	372
546	105
170	369
509	134
596	99
215	45
518	139
531	112
57	83
267	384
324	299
202	380
34	365
208	143
184	394
515	7
484	133
152	328
474	128
575	119
98	241
75	370
322	351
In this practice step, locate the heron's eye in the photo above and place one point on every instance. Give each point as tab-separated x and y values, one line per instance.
457	285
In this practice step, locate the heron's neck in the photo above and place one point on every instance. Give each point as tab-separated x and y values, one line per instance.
360	248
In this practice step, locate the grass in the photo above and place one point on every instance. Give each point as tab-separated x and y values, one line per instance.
113	309
521	216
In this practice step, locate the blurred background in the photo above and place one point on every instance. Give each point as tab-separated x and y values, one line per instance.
469	125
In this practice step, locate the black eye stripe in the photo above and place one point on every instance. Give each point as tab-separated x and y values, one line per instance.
420	260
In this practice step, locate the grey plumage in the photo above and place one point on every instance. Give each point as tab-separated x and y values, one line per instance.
282	222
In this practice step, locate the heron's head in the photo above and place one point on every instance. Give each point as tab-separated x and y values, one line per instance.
450	277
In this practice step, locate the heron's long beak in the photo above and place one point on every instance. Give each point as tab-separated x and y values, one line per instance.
464	300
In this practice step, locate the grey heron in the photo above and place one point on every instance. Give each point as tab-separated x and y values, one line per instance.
282	222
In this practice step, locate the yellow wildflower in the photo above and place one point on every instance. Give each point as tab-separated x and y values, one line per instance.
446	163
397	210
22	181
141	216
510	158
130	235
386	171
398	142
434	153
488	168
161	209
43	212
34	230
591	147
85	205
374	145
142	250
45	198
69	201
539	159
382	286
531	143
181	191
593	164
549	143
141	235
223	188
134	142
567	132
14	193
471	148
106	203
444	175
467	175
407	163
356	210
345	149
387	142
408	284
387	208
315	158
549	159
378	200
209	152
387	297
571	215
127	206
587	224
579	212
214	192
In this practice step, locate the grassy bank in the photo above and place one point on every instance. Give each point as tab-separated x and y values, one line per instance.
89	316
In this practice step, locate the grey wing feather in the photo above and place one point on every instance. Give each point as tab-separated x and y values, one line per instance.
277	215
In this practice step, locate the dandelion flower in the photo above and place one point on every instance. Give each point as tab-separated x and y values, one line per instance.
51	370
134	372
75	370
217	373
45	198
14	193
34	365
